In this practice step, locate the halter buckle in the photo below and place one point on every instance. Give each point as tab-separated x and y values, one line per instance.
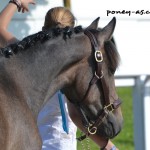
109	107
98	56
99	77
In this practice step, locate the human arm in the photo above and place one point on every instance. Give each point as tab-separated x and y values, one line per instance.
5	18
75	116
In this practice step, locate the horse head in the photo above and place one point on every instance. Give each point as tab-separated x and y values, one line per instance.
81	62
92	88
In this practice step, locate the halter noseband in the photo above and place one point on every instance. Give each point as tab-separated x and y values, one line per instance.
108	106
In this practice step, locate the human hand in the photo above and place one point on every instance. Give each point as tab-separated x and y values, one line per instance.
25	5
110	146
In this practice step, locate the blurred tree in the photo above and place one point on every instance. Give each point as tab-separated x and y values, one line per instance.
67	3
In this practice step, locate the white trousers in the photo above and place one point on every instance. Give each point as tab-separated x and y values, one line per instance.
51	130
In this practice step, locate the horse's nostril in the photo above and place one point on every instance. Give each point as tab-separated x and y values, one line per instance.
116	128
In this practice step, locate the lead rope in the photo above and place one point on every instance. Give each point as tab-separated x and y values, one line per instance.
87	145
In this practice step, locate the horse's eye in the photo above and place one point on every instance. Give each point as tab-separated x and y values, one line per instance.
112	71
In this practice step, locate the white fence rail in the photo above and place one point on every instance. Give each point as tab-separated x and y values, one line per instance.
141	109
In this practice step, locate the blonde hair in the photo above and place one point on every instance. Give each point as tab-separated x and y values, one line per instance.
59	17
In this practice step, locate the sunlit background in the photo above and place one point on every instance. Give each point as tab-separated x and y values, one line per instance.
132	36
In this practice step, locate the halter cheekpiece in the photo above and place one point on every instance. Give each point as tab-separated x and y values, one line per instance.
109	107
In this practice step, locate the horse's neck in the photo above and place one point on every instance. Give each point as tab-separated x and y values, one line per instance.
39	74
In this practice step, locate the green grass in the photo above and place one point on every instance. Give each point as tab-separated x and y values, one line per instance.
125	139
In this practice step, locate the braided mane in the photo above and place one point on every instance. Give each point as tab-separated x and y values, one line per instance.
41	36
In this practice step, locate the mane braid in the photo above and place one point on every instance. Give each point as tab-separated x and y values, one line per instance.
41	36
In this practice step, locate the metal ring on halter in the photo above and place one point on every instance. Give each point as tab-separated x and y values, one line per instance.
102	74
92	130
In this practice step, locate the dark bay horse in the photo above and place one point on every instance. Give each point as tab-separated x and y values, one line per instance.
81	62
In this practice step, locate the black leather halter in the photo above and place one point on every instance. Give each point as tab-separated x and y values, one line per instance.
91	128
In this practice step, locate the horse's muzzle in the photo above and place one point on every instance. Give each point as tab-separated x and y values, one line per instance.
111	126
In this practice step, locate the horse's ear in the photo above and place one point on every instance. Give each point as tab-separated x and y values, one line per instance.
94	24
107	32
